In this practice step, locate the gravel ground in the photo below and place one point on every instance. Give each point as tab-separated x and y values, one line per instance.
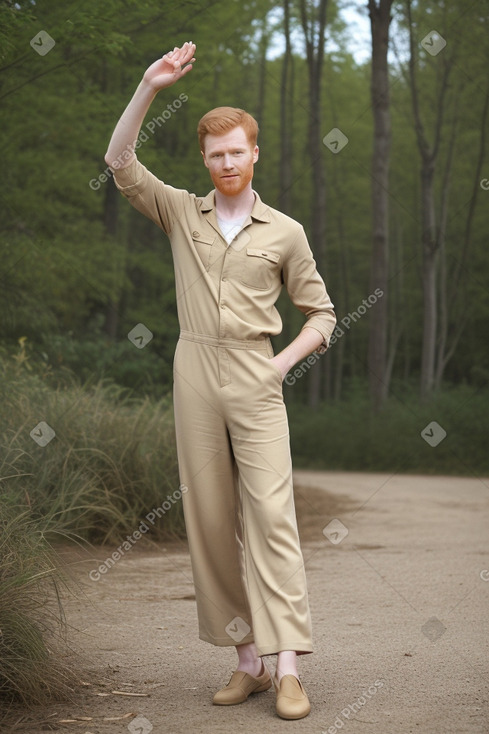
399	590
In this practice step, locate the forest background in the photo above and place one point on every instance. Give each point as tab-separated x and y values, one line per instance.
377	145
376	141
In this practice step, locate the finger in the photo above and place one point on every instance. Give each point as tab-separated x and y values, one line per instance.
189	54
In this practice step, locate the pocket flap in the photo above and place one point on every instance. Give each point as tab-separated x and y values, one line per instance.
205	239
274	257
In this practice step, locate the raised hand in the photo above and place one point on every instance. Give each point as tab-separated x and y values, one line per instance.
171	67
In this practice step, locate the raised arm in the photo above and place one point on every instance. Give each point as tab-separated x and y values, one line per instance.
163	73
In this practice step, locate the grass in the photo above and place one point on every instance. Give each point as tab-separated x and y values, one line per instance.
346	436
32	626
112	460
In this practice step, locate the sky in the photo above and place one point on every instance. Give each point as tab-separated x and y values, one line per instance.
358	32
358	24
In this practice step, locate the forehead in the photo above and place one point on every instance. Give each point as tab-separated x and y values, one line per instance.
235	138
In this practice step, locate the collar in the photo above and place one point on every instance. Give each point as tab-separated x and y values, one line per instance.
260	211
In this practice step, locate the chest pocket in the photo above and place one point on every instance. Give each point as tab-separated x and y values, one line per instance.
260	268
203	245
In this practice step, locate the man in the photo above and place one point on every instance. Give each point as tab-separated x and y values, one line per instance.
232	253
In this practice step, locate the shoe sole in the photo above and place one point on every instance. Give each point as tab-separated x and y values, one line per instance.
294	718
262	688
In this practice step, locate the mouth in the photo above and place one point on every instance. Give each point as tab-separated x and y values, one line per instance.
231	175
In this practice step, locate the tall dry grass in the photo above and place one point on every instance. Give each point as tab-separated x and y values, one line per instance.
111	461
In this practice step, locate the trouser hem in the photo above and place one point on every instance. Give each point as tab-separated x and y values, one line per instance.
301	648
226	641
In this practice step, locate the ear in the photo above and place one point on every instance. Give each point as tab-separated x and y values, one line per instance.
256	153
205	162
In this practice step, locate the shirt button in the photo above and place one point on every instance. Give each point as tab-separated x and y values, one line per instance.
195	234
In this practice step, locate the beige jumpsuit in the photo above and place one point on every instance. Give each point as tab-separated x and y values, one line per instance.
230	418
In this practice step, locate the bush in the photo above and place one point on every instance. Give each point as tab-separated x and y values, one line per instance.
97	358
112	460
31	615
347	436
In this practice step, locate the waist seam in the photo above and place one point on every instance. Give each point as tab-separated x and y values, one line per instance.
226	342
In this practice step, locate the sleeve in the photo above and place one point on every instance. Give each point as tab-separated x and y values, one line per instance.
307	289
161	203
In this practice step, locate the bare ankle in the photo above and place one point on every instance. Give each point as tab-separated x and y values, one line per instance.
286	664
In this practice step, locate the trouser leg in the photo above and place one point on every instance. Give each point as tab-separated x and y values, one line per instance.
274	567
211	503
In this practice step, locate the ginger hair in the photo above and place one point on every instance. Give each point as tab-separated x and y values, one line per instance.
221	120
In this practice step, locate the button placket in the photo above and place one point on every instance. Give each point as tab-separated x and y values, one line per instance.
223	292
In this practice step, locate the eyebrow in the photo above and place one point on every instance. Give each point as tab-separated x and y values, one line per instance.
237	149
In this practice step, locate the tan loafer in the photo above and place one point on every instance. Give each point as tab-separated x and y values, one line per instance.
292	700
241	685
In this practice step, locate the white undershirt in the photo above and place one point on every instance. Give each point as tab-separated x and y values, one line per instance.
230	227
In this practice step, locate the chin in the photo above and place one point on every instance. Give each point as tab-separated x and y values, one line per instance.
230	190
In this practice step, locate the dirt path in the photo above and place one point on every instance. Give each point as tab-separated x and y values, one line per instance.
399	608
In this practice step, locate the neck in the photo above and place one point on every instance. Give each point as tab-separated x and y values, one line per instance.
234	207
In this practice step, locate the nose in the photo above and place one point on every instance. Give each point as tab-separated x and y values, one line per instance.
227	162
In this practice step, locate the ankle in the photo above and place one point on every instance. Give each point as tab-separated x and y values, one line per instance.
252	667
286	665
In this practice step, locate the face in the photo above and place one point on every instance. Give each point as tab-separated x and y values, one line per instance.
230	159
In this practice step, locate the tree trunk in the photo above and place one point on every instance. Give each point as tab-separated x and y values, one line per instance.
262	66
429	281
313	19
458	280
380	19
285	170
430	240
110	214
286	119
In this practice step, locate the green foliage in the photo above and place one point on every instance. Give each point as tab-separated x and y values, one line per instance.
112	460
31	614
74	252
80	268
346	436
147	371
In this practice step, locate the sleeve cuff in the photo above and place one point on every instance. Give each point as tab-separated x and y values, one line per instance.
322	348
128	179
